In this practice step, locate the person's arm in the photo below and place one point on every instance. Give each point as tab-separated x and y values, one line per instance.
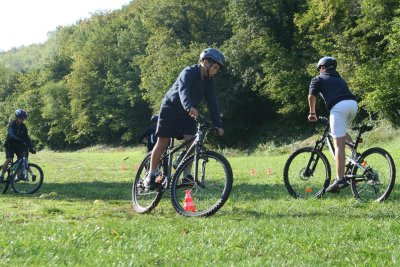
28	141
312	115
312	99
184	83
11	132
213	109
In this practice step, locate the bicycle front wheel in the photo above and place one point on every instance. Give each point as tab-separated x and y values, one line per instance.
29	182
307	173
205	195
144	200
375	175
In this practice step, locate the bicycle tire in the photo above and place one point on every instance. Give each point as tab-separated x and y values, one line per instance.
300	184
210	193
144	200
33	182
379	178
4	186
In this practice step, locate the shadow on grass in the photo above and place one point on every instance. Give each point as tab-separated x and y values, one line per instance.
86	190
260	191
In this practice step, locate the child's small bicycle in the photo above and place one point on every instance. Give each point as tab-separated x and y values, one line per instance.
24	177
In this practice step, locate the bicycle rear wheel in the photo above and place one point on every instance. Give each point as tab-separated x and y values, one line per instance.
378	175
144	200
307	173
206	196
29	183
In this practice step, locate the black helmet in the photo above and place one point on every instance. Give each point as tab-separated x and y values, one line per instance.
213	54
328	62
154	118
20	113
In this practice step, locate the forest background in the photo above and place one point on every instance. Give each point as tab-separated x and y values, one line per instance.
99	81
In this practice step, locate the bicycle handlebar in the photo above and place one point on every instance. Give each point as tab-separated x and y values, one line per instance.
203	122
323	120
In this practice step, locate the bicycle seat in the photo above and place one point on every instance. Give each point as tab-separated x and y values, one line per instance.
363	128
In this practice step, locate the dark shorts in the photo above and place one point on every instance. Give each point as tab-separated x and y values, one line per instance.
17	150
175	125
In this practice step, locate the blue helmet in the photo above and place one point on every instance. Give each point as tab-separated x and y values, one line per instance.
328	62
20	113
213	54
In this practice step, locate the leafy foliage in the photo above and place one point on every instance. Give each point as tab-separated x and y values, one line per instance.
98	81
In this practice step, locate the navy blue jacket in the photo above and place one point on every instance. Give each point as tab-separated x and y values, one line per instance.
17	134
188	91
331	87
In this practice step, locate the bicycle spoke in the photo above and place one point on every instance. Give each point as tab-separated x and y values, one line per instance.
378	175
210	192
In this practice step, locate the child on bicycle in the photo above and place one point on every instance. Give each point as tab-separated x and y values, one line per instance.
17	141
150	134
180	106
342	107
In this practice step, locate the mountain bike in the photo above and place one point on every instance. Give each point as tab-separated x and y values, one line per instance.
209	186
24	177
307	172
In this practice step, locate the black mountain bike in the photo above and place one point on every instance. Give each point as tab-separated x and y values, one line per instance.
201	195
24	177
307	172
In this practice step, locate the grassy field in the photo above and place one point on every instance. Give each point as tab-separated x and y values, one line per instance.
82	216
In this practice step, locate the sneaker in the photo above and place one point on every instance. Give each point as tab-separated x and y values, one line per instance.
338	184
150	181
188	179
2	181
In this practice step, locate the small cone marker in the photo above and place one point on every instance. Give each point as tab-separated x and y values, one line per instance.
252	172
308	190
269	171
189	205
123	167
136	167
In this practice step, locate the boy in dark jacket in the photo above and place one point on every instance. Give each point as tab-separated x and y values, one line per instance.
18	141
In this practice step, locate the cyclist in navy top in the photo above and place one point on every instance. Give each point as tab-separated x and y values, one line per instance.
342	107
17	140
180	106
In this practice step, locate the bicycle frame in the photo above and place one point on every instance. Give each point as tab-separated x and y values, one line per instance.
196	145
327	139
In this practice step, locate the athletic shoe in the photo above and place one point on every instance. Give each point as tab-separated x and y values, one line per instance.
150	181
338	184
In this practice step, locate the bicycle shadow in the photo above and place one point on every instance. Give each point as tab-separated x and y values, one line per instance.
86	191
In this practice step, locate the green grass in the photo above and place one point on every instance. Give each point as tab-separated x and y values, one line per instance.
82	216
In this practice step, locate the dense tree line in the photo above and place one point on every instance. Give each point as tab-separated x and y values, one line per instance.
98	81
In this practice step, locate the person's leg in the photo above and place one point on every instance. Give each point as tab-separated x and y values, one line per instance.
340	117
340	156
4	166
187	171
158	150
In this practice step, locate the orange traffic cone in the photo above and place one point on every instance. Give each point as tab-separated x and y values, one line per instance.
123	167
252	172
189	205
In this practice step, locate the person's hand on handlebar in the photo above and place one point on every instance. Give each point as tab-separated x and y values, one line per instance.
193	112
312	117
